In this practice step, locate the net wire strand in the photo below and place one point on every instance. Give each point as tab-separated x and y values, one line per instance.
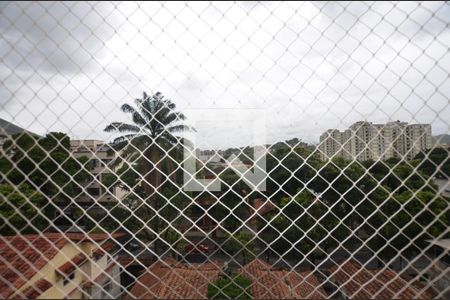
356	185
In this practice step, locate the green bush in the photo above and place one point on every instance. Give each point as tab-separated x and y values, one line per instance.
237	287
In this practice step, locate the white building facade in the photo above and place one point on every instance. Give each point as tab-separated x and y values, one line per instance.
99	164
365	141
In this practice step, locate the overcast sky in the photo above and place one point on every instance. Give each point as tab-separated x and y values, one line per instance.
310	66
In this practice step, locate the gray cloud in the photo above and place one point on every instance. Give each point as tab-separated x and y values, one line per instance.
51	37
312	66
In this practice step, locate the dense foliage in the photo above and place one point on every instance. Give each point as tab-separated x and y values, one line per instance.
20	206
236	287
43	162
46	173
393	204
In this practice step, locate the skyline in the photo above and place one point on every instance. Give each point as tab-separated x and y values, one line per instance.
316	144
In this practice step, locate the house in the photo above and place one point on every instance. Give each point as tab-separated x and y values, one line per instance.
355	281
58	265
271	283
170	279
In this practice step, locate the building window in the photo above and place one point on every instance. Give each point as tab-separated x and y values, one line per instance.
93	163
69	278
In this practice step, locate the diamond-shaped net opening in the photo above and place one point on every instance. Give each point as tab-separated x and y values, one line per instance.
224	150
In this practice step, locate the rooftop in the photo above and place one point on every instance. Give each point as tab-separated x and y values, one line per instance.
22	256
357	281
169	279
268	282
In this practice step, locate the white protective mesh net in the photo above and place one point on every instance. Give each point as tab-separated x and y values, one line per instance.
224	150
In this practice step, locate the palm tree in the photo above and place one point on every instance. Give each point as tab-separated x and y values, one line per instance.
150	139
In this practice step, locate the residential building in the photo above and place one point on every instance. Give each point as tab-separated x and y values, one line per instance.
100	163
365	140
58	265
331	143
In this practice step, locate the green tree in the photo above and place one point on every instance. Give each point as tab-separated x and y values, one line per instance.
151	139
242	243
45	163
151	146
236	287
435	162
21	209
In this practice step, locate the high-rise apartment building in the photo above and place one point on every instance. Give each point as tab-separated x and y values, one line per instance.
365	140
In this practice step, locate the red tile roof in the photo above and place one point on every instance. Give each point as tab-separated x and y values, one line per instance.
280	284
19	260
70	266
22	256
263	207
173	280
359	282
99	252
306	285
34	291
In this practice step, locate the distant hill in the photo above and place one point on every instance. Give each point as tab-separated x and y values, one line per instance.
8	128
441	139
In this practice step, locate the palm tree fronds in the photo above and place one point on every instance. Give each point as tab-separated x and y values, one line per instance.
175	116
124	138
127	108
122	127
180	128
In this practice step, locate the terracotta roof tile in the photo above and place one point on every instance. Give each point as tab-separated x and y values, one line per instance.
276	284
71	265
34	291
174	280
21	256
306	285
99	252
187	283
20	260
359	282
